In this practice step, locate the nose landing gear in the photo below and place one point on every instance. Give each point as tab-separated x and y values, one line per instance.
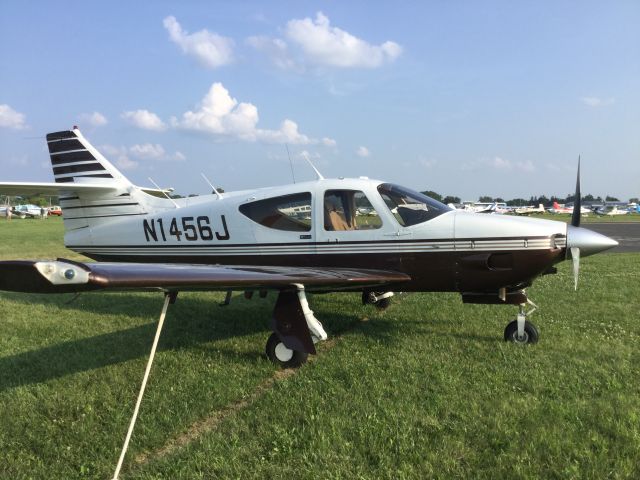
521	330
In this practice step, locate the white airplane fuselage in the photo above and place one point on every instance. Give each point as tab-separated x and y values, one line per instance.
454	251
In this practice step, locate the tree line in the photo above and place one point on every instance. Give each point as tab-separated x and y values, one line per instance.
533	200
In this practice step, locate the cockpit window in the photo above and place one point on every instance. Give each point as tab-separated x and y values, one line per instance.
288	212
409	207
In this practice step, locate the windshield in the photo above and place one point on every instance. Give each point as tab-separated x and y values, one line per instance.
409	207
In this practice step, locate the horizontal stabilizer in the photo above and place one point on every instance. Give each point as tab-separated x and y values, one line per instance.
53	189
63	276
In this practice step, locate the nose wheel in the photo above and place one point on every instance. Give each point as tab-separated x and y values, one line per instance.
530	334
521	330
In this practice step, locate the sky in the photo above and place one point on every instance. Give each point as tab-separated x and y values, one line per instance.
463	98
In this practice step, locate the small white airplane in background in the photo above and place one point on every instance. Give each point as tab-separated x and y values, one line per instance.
529	210
561	209
614	212
29	210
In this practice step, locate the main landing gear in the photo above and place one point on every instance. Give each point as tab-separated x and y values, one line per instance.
521	330
381	300
295	329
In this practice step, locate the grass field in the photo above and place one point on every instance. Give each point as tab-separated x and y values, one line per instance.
426	389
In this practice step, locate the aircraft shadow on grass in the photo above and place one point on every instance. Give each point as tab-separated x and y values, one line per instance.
190	323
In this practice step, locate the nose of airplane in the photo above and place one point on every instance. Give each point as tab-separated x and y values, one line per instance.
588	241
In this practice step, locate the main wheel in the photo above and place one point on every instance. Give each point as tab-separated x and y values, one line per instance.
383	304
530	333
279	354
368	298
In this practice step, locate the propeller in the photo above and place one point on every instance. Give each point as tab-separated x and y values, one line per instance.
575	221
581	241
577	201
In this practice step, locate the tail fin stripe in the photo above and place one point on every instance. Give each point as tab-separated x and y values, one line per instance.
70	179
83	167
72	157
99	175
64	135
66	146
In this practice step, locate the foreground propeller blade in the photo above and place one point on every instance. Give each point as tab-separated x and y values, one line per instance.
575	258
577	201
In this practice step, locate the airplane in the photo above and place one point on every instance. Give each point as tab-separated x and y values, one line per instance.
529	210
557	209
28	210
259	240
613	212
481	207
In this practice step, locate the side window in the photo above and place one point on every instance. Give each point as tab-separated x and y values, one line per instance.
288	212
349	210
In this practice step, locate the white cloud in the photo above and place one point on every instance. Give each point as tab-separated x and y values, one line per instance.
325	45
209	49
119	156
124	156
499	163
148	150
329	142
597	101
276	49
151	151
363	152
222	115
426	162
95	119
144	119
9	118
179	156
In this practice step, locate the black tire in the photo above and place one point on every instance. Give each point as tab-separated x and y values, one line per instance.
368	299
279	354
383	304
530	333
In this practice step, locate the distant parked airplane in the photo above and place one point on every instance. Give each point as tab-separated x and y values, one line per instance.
559	209
613	212
528	210
29	210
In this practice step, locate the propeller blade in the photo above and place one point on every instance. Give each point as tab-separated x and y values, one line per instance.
577	201
575	258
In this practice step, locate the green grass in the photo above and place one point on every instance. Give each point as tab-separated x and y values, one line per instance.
426	389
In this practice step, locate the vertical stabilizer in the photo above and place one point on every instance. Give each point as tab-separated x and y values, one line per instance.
75	161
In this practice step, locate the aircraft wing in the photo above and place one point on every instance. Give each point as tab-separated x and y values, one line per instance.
63	276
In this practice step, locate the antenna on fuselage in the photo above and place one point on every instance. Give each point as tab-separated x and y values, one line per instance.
290	163
164	192
306	157
215	190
